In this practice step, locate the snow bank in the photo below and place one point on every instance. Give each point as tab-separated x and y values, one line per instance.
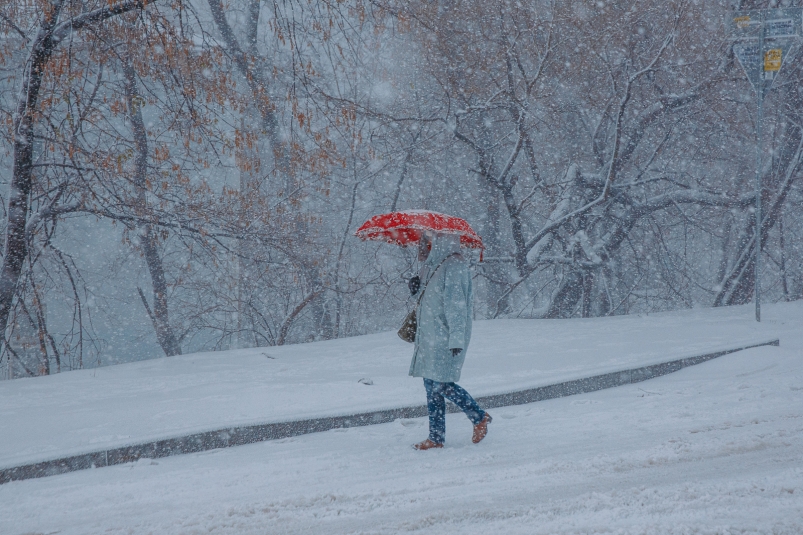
90	410
712	449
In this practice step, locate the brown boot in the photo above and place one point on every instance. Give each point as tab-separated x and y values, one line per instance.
427	445
481	429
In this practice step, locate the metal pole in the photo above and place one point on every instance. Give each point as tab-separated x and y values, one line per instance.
758	211
759	106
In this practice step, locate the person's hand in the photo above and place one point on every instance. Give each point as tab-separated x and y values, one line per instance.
414	284
456	351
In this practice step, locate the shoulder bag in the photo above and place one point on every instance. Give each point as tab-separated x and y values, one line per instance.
410	324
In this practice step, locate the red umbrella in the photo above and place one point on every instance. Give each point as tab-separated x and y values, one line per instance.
404	228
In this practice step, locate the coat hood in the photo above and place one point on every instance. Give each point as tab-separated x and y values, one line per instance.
443	245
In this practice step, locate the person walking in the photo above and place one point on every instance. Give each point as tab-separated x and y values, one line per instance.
443	332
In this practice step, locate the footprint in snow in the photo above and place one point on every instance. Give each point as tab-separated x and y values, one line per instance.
410	423
585	402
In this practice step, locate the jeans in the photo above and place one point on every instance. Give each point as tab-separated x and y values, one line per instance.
436	406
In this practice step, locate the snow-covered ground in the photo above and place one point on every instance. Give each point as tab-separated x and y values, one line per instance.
90	410
714	448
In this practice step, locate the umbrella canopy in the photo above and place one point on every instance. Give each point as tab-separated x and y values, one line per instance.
404	228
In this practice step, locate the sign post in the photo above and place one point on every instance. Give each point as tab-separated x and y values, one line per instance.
763	40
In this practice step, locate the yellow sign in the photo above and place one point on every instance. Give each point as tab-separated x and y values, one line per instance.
742	22
772	60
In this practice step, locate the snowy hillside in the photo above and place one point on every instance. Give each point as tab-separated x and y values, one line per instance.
714	448
83	411
711	449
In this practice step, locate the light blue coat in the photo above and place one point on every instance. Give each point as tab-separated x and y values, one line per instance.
444	314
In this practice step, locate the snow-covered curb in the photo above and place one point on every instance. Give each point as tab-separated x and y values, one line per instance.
236	436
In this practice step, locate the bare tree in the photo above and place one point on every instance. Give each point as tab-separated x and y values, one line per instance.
148	240
57	24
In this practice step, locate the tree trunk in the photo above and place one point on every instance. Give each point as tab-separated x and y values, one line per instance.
782	245
324	328
496	273
148	240
569	293
16	247
588	288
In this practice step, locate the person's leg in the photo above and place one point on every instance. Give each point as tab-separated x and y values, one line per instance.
458	395
468	405
436	407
